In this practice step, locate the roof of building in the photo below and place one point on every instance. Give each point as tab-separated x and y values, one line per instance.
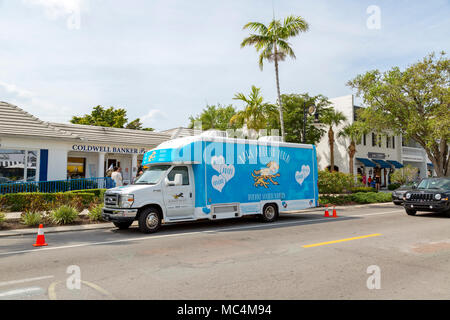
181	132
17	122
113	135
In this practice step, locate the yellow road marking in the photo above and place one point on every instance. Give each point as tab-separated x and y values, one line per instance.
341	240
52	287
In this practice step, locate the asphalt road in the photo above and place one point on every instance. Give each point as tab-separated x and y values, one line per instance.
296	257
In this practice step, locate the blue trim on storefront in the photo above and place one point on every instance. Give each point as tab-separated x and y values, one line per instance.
43	165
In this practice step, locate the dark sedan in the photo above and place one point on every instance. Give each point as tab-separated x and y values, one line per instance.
397	194
432	195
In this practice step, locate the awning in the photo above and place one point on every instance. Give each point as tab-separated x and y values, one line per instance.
382	163
396	164
366	162
430	164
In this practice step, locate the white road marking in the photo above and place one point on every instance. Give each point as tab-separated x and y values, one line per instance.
195	232
7	283
20	292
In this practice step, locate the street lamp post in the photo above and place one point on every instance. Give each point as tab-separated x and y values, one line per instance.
312	110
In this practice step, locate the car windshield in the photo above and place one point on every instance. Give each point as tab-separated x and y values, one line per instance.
409	184
152	174
434	184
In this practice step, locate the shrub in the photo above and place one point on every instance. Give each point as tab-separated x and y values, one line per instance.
95	212
406	174
394	186
39	201
64	215
335	200
359	197
336	182
2	218
31	219
363	189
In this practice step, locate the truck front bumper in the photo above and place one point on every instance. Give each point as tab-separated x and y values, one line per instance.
119	215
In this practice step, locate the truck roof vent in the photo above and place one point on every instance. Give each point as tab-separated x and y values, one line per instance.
270	138
214	133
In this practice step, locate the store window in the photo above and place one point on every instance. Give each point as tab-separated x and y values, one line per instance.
76	168
18	165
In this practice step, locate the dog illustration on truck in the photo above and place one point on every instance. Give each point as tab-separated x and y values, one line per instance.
207	177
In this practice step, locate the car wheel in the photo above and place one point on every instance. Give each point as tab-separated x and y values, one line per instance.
270	213
149	220
410	212
123	225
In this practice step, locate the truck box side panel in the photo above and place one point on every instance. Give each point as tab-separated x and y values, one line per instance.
250	174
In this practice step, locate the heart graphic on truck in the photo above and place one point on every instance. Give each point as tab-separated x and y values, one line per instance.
302	175
226	172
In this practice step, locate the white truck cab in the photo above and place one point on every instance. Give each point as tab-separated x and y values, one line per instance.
162	192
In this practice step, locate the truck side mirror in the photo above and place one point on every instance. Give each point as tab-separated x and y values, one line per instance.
178	179
168	182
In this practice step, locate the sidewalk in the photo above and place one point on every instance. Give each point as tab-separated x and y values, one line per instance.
108	225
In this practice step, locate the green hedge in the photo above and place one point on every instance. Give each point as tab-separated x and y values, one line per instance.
394	186
363	189
359	197
39	201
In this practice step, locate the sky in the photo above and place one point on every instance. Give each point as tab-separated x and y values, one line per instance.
166	60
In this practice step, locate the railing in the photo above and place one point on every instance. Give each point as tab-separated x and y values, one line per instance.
57	185
414	154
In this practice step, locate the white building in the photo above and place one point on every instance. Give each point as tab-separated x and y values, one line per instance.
375	155
34	150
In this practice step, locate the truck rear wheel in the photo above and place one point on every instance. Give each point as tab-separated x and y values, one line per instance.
123	225
410	212
149	220
270	213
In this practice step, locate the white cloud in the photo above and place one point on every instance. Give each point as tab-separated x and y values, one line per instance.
69	9
152	117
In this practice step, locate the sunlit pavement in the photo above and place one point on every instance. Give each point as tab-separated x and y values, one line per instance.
301	256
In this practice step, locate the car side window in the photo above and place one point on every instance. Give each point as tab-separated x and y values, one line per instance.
179	170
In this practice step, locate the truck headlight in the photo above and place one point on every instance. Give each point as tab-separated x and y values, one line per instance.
438	196
408	196
126	200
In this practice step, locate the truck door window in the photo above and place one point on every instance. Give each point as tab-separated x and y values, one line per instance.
179	170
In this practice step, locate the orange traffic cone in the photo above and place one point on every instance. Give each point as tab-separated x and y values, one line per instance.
334	212
326	211
40	240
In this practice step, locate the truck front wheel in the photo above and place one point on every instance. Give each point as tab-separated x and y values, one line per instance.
270	213
149	220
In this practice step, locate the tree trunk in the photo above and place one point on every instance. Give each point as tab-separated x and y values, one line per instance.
280	108
351	153
331	142
440	157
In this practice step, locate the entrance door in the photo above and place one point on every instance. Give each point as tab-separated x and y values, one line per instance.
179	200
111	163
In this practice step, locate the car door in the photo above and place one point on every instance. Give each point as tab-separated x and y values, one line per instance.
179	200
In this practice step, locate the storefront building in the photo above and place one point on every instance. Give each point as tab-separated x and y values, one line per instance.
376	155
34	150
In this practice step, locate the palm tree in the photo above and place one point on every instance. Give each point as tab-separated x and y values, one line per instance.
354	132
271	41
256	112
332	118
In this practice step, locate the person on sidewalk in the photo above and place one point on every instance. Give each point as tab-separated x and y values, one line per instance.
117	177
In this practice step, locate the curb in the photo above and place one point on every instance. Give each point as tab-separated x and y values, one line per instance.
107	225
22	232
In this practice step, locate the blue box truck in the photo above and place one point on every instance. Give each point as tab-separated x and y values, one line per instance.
204	177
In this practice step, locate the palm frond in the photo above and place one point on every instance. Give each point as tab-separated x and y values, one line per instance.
256	26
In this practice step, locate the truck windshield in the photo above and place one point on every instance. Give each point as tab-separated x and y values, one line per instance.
152	174
435	184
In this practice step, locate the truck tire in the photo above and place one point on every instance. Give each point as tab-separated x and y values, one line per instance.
270	212
123	225
149	220
410	212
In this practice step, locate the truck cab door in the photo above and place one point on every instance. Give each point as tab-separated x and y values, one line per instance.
179	199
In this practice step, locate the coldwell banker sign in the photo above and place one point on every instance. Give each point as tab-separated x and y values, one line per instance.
108	149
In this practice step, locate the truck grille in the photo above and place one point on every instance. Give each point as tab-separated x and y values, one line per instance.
111	200
421	197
